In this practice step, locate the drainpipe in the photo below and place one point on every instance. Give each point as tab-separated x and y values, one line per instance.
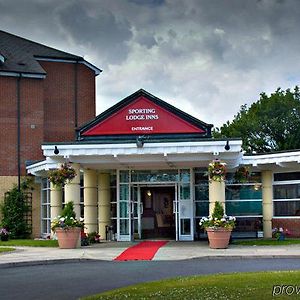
19	129
76	95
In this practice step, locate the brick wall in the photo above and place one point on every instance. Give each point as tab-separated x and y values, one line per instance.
59	87
47	111
293	225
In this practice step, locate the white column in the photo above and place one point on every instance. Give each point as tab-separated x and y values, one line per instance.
72	190
216	193
103	202
55	201
267	199
90	201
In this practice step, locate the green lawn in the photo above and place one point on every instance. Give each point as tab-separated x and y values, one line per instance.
266	242
222	286
6	249
30	243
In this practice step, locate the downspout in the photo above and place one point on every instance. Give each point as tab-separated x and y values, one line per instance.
19	129
76	95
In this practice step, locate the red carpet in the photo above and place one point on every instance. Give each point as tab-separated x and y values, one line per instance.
141	251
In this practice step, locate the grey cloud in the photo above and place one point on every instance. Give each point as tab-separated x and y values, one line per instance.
97	28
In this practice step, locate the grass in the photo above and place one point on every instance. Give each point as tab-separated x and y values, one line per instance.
266	242
6	249
30	243
222	286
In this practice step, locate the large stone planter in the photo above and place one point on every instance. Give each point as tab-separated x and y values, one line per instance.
218	237
68	238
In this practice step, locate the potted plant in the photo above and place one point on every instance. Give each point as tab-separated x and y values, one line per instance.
4	234
59	176
279	233
218	227
217	170
67	227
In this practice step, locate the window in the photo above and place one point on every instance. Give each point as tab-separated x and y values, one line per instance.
286	194
45	208
201	194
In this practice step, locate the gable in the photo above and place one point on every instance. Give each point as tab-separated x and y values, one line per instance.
143	114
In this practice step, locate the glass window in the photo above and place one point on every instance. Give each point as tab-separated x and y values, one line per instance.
185	192
287	176
243	208
185	228
286	208
45	208
201	192
240	192
286	191
202	208
185	176
154	176
124	192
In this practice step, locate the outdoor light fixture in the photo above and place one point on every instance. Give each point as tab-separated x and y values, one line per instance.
140	141
56	151
149	193
227	147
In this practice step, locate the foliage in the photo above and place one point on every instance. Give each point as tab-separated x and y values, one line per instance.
266	242
67	218
217	170
59	176
280	233
254	285
270	124
31	243
93	237
14	209
242	174
218	219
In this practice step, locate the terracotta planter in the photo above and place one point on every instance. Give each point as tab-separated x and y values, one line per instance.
68	238
218	238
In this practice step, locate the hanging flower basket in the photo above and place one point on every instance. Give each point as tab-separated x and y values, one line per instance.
242	174
217	170
59	176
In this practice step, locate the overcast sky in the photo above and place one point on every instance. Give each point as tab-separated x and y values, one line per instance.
206	57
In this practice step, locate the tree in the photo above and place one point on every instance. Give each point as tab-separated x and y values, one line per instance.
14	210
270	124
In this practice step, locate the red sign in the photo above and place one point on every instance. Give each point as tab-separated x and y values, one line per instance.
142	116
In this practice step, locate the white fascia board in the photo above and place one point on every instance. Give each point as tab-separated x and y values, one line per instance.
213	147
45	165
274	158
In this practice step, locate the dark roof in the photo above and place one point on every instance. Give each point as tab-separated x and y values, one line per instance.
21	55
153	137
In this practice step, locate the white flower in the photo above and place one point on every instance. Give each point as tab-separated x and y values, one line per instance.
223	220
71	218
81	219
62	219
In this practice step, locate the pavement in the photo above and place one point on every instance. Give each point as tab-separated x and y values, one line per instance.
107	251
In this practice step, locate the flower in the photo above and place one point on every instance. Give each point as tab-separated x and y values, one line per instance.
242	174
60	176
280	233
217	170
67	220
218	219
4	232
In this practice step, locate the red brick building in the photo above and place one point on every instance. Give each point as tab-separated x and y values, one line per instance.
45	94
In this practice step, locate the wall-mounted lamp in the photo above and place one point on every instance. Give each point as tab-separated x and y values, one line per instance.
227	147
140	141
56	151
149	193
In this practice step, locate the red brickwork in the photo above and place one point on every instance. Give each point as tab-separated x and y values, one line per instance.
293	225
47	111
